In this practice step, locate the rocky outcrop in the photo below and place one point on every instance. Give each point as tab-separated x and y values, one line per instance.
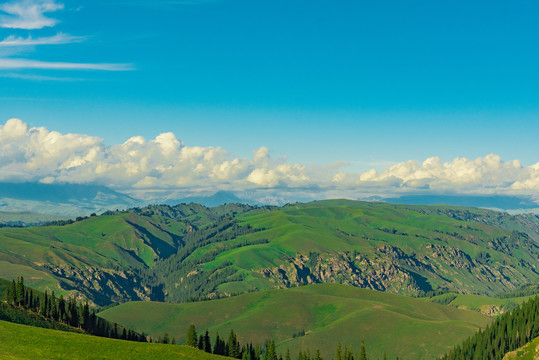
101	285
389	268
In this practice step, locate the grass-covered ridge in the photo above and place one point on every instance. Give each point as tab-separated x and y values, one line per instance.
382	246
191	252
328	313
27	342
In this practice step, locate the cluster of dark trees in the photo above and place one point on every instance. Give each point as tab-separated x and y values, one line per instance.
509	332
196	286
66	311
232	348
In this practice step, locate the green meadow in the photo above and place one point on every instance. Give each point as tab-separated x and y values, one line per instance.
27	342
484	304
326	313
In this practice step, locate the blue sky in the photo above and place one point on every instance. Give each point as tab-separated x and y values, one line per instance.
370	83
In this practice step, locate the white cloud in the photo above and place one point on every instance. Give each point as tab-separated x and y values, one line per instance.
28	14
38	154
33	77
12	64
58	39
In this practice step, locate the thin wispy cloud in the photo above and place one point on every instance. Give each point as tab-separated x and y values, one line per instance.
11	64
58	39
34	77
29	14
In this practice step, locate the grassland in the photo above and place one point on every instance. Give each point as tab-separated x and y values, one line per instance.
394	248
27	342
328	313
530	351
449	246
485	305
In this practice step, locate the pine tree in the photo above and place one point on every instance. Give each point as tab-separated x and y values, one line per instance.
217	346
338	354
287	355
233	346
85	315
20	292
192	339
201	342
362	352
207	342
62	309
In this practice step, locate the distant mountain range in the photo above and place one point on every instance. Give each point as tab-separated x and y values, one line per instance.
84	199
61	199
495	202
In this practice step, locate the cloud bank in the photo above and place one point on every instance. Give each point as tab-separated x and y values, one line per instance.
38	154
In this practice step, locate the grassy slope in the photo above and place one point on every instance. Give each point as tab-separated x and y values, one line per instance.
486	305
400	325
530	351
136	238
103	242
127	239
341	225
27	342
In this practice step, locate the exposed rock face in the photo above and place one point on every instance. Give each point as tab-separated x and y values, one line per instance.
389	268
101	285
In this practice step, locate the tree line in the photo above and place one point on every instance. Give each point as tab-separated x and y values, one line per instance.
66	311
232	348
507	333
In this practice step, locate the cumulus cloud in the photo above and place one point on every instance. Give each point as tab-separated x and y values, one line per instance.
28	14
38	154
460	174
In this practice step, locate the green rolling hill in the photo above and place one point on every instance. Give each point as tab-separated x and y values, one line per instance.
486	305
27	342
327	313
188	252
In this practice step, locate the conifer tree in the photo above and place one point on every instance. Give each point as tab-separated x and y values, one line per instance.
192	339
217	346
362	352
62	309
207	342
85	315
233	346
200	344
13	291
338	354
287	355
20	291
10	294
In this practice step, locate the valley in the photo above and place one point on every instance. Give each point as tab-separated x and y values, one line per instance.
410	281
